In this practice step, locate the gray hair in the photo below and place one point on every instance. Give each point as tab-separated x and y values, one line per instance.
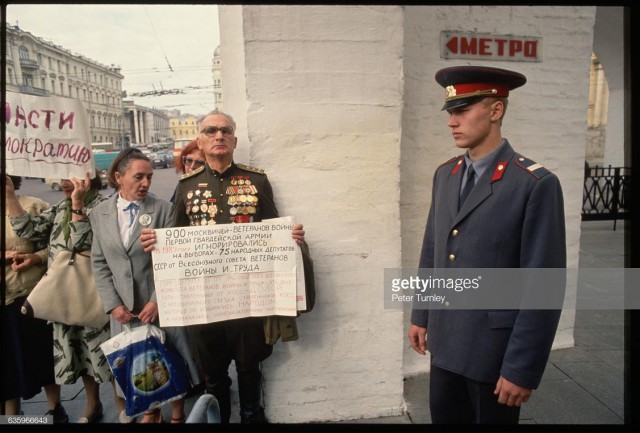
216	111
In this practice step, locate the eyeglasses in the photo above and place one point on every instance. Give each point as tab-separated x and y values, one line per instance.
211	131
190	162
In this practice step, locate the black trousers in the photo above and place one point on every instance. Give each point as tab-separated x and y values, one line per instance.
455	399
215	345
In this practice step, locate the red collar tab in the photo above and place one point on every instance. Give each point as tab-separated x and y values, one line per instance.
458	165
499	171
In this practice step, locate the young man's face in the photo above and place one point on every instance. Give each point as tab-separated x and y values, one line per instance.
471	124
216	137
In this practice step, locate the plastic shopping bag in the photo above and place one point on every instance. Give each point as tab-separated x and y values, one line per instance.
149	372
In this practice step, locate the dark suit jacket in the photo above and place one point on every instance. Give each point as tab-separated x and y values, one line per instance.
514	218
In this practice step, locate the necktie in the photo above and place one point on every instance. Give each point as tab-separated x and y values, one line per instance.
133	210
468	186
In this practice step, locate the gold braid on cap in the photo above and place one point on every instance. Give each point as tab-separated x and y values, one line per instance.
450	93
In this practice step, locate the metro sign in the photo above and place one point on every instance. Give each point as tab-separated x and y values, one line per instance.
484	46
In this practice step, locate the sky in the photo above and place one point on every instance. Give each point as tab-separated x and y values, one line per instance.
158	46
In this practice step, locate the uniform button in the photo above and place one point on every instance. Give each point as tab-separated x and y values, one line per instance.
452	257
455	233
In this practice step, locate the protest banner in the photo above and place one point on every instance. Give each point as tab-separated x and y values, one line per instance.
47	137
206	274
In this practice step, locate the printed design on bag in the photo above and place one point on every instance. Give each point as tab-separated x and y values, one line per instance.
150	373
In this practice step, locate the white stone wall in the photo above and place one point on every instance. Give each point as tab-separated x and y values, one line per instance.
339	106
608	44
323	101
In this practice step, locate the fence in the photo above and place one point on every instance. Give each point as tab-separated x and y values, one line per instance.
606	193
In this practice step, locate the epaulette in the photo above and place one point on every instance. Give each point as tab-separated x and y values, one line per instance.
451	160
458	163
532	167
249	168
192	173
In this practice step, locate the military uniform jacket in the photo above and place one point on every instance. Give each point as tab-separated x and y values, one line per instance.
239	195
513	218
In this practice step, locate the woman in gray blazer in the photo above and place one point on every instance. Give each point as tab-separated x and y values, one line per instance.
123	271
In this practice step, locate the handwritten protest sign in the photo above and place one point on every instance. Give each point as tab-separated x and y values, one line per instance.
47	136
206	274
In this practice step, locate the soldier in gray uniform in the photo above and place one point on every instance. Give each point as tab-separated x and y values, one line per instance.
491	208
223	192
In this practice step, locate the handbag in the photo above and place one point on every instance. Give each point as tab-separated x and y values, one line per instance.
149	372
67	293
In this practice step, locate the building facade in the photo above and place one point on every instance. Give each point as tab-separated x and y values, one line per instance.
183	127
35	66
217	77
145	125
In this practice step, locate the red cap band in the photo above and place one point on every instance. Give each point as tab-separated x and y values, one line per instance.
464	90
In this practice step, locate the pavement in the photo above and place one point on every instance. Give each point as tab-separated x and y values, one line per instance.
582	385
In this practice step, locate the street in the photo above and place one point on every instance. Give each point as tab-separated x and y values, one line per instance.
163	183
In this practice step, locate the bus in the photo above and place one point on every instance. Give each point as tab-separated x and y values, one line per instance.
106	146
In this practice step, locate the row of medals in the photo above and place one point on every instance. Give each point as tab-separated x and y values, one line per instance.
242	201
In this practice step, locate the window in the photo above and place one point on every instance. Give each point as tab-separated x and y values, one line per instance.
23	52
10	73
27	79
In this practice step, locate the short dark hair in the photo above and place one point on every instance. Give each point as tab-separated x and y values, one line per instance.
122	162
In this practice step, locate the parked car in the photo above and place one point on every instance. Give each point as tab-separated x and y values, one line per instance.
162	158
55	184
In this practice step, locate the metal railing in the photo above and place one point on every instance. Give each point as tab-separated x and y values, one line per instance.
606	193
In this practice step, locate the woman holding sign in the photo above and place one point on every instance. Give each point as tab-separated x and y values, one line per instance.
65	226
122	269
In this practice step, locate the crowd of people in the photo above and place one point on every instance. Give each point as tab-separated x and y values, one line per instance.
491	208
38	354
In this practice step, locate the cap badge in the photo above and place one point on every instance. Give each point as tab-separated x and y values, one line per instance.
450	92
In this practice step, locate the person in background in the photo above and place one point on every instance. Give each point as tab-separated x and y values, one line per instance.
123	270
66	226
491	208
226	192
191	158
27	355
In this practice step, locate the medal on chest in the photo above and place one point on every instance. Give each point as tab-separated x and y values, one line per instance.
200	206
242	199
